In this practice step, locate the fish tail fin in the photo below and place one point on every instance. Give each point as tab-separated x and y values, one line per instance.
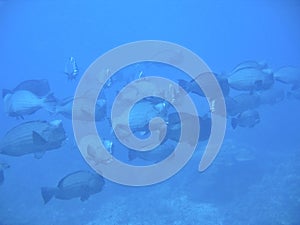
132	155
47	194
234	122
50	103
184	84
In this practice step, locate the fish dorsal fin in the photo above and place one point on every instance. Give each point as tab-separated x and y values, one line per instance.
6	92
38	139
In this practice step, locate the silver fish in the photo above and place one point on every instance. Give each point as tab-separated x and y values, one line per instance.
71	69
80	184
247	118
23	102
251	79
35	137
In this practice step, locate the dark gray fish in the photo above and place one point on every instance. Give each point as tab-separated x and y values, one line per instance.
40	88
155	155
251	79
3	166
288	75
250	64
271	96
22	102
241	103
248	118
174	127
35	137
192	86
80	184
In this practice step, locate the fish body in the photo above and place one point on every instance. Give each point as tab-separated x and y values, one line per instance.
23	102
155	155
174	127
288	75
193	87
247	118
251	79
35	137
271	96
40	88
241	103
65	108
80	184
250	64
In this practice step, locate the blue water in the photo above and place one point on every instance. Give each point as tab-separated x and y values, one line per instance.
37	38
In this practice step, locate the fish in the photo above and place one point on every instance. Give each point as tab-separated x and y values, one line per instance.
71	69
251	79
247	118
294	93
23	102
250	64
240	103
288	75
40	88
271	96
65	108
174	127
192	86
3	166
140	116
80	184
33	137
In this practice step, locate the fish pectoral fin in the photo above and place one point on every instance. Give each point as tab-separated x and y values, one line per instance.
38	139
38	155
258	84
85	196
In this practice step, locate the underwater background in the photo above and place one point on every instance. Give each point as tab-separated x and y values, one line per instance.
255	178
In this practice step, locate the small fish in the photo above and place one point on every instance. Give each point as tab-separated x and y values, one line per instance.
35	137
288	75
247	118
23	102
71	69
80	184
251	79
